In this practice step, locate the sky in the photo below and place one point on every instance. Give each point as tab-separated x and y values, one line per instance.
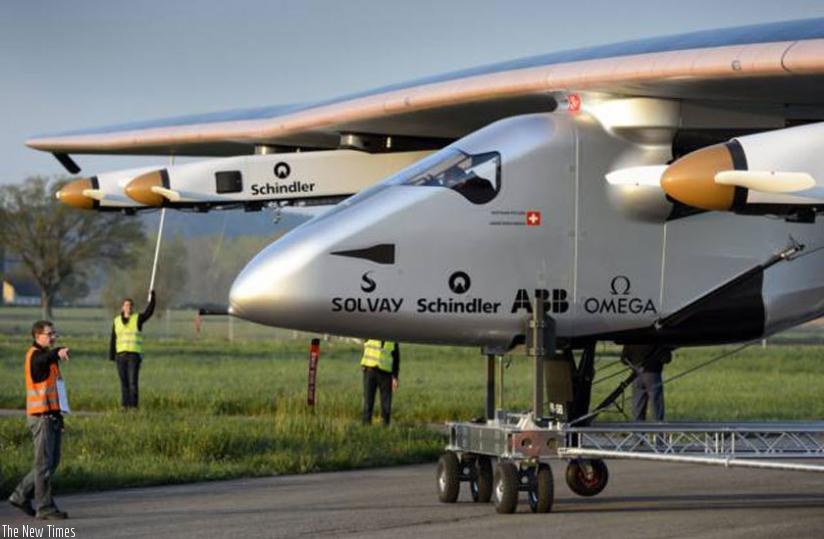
76	64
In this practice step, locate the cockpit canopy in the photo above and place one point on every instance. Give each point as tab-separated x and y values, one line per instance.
477	177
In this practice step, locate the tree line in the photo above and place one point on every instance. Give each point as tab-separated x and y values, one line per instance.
72	253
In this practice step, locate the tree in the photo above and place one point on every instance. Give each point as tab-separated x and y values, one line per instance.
133	282
214	262
59	244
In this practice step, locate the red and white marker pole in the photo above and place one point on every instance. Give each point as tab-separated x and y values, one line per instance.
314	356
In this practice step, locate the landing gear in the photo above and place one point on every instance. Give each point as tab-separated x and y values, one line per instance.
587	477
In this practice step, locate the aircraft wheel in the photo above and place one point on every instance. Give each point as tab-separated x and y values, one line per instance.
505	488
587	477
542	490
448	482
481	483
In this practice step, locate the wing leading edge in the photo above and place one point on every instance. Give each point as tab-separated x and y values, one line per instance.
779	63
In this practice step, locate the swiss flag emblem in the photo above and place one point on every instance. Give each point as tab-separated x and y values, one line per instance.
533	218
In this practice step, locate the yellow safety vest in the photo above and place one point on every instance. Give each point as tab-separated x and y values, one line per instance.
377	354
41	397
129	338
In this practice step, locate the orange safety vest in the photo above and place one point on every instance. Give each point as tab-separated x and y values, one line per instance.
41	397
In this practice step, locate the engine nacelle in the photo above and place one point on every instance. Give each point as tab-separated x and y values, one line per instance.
102	192
307	177
777	172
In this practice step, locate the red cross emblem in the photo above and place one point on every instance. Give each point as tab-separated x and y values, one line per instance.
533	218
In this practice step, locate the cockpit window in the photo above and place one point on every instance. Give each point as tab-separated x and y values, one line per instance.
477	177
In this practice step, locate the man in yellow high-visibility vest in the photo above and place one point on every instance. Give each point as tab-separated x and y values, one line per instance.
380	364
126	348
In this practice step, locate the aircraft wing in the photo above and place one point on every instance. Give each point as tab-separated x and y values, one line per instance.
779	64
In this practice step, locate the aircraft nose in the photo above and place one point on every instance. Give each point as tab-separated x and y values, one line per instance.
266	290
245	298
293	283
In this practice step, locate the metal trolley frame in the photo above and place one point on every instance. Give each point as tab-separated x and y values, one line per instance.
519	445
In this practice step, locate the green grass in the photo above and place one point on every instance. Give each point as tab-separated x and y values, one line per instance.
213	409
146	448
168	324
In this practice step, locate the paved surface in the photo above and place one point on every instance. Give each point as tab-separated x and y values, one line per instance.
642	500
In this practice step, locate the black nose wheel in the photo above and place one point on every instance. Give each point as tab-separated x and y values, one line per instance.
587	477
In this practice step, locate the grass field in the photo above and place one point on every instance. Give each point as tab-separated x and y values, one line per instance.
172	324
211	408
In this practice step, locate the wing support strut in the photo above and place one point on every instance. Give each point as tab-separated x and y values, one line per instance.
67	162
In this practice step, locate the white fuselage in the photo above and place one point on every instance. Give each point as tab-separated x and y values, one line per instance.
414	259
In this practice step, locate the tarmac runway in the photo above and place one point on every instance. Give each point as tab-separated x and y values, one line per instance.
641	500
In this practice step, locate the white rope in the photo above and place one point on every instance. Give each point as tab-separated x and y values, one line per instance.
157	250
159	238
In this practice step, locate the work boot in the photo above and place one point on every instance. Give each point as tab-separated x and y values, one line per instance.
24	506
56	514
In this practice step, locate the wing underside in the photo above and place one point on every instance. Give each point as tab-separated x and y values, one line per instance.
773	69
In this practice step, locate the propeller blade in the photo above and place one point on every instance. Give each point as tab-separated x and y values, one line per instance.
646	176
766	181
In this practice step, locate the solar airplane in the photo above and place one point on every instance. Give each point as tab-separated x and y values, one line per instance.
662	191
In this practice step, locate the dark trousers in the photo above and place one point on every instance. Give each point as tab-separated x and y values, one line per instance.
374	379
128	368
46	432
648	389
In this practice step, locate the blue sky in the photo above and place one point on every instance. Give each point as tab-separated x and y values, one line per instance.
70	65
